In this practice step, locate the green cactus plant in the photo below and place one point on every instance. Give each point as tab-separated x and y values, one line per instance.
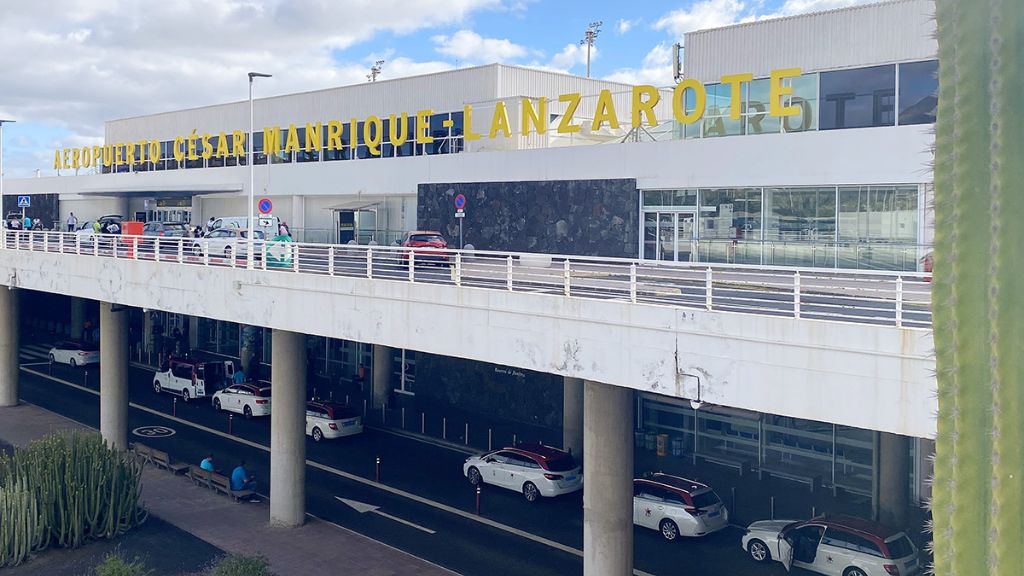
64	490
978	290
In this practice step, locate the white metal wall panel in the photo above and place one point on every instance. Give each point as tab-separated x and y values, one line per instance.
896	31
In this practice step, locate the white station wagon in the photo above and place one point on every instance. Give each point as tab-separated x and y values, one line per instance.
246	399
677	507
75	353
533	470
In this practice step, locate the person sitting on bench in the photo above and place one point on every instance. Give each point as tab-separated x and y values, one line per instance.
242	480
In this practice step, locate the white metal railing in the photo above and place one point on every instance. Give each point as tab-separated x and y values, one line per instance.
886	298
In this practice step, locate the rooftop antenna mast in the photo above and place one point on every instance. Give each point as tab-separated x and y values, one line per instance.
677	61
375	71
589	37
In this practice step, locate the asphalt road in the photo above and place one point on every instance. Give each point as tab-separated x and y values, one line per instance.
421	483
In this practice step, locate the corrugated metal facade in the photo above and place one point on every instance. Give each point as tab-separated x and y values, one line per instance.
897	31
441	92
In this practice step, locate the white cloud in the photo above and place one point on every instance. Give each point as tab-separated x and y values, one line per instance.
705	14
623	26
656	69
70	65
469	46
568	58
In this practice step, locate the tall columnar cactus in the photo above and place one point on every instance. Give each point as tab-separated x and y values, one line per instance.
978	289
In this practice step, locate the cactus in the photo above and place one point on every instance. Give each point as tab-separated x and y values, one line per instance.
977	511
66	489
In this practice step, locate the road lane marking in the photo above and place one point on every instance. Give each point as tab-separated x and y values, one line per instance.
363	508
323	467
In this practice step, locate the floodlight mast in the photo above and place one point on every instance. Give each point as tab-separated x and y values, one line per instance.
589	37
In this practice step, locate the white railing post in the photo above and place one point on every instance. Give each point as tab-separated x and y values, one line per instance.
458	268
156	249
78	244
899	301
567	277
136	247
330	261
708	288
249	250
508	271
113	245
46	241
206	252
295	258
96	244
412	266
796	294
3	235
181	250
369	263
632	282
60	243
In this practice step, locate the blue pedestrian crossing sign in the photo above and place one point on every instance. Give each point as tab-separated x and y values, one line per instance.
24	201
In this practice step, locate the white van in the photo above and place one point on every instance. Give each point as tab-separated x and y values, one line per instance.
242	222
194	379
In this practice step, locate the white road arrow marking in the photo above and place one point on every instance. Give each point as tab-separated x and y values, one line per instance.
363	508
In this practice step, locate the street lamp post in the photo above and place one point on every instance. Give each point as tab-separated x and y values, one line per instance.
252	170
3	234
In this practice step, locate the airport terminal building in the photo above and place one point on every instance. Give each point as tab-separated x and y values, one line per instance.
559	164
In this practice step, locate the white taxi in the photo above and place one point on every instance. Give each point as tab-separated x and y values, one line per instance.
246	399
534	470
677	506
75	353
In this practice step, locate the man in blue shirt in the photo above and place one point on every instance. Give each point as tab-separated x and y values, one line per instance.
207	463
241	480
239	377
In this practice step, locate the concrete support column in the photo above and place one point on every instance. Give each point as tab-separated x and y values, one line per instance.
608	470
77	317
8	346
381	375
572	416
893	479
288	430
114	375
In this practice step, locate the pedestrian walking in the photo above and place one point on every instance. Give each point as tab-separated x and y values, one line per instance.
72	222
28	223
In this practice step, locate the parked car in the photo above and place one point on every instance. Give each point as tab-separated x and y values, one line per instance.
534	470
677	506
229	242
193	379
166	229
331	420
430	247
242	223
75	353
246	399
833	545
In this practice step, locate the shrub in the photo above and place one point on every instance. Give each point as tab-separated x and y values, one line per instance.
115	565
240	565
65	489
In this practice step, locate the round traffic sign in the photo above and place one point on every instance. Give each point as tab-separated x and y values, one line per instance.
153	431
265	205
460	201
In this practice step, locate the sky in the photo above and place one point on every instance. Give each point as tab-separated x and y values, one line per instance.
66	66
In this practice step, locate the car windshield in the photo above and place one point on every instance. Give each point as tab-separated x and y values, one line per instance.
425	238
705	499
561	463
175	226
900	546
259	234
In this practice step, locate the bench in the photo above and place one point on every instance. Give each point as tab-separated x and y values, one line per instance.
199	476
221	483
163	460
812	480
742	466
142	451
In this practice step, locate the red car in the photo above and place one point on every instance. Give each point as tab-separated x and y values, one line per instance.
429	246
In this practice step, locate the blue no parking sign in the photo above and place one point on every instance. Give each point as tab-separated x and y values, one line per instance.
460	202
265	205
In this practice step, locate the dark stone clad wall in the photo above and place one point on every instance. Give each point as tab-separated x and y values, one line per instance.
512	394
575	217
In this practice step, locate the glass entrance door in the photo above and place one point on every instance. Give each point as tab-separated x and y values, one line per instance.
669	236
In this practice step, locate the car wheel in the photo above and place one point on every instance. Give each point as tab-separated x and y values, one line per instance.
184	394
759	551
156	386
530	492
52	359
247	412
317	435
854	571
216	404
73	363
669	530
474	476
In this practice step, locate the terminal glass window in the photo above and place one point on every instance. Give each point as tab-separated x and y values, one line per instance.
878	226
730	225
257	145
302	155
758	121
800	226
858	98
344	153
215	161
805	97
919	92
719	105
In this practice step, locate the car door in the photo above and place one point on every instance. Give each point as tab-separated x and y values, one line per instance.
499	469
805	541
786	551
836	551
650	506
